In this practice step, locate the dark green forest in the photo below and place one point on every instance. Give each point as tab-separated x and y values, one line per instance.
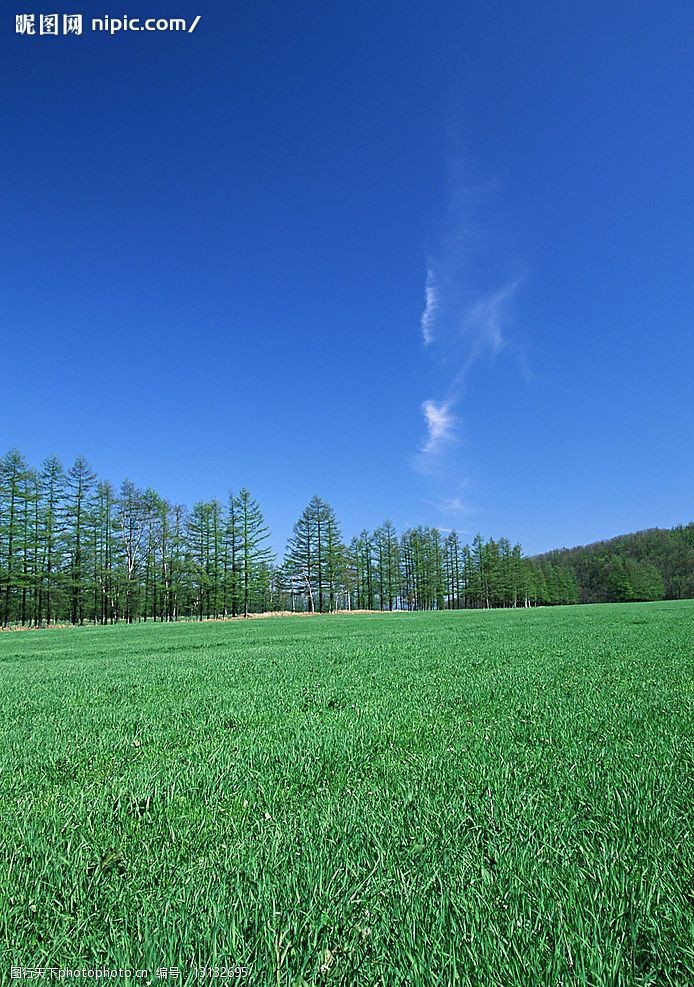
647	565
75	549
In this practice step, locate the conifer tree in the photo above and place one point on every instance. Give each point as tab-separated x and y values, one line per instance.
78	517
255	556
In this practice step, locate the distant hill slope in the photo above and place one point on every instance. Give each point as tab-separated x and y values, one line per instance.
646	565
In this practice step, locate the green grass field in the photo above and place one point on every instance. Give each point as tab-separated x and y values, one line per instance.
484	798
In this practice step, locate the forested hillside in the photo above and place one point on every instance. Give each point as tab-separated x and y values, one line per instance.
647	565
75	549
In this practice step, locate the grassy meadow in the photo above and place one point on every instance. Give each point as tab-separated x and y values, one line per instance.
472	798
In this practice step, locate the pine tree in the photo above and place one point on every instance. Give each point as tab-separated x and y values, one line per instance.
335	557
315	555
301	556
453	570
13	475
52	486
255	556
78	516
131	521
388	548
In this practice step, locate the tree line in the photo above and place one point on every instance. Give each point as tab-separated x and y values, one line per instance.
74	549
646	565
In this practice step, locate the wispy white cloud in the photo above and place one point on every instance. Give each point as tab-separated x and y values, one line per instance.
440	423
486	317
465	319
480	333
450	506
483	334
453	505
431	303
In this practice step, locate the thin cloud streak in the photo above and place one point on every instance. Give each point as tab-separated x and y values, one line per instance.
485	318
484	326
431	304
450	506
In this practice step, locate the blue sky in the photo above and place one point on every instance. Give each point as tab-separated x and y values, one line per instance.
430	261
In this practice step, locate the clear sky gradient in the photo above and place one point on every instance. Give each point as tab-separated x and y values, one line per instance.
431	261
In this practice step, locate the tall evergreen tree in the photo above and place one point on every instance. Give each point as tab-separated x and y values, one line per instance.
52	486
13	477
78	518
388	548
255	556
315	556
131	521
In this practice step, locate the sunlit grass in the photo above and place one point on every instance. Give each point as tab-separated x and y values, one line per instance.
482	798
